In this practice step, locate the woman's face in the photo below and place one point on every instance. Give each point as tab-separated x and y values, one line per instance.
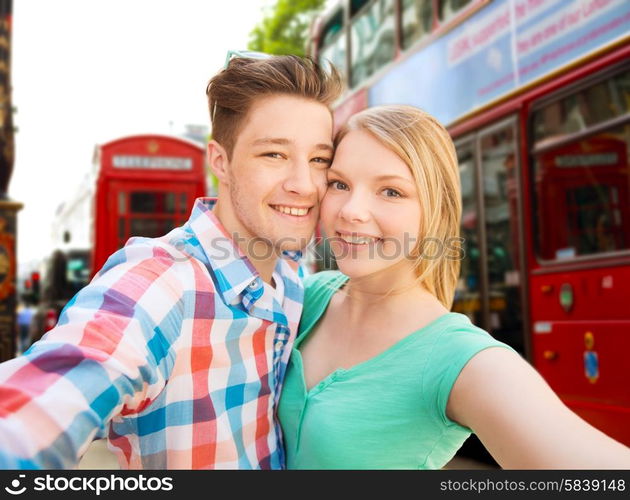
371	211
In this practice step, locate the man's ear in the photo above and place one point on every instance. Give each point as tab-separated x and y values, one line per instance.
218	161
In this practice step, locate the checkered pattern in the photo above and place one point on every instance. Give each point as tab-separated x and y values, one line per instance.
176	352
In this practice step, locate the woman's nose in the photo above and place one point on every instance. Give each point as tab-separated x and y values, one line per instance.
355	209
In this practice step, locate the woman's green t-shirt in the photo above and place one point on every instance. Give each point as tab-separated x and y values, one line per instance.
388	412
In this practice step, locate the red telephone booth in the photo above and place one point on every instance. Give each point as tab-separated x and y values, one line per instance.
146	186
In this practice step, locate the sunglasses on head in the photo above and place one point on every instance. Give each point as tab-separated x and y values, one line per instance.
248	54
236	54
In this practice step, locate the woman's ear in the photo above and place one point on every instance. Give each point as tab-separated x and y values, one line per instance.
218	161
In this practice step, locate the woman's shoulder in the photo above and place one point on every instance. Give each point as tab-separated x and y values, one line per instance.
458	334
457	342
457	324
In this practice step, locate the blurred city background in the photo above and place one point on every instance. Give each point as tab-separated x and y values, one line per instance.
104	122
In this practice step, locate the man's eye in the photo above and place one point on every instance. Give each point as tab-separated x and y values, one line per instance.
338	185
322	161
274	155
392	193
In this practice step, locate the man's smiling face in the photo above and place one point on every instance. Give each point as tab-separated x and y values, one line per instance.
276	176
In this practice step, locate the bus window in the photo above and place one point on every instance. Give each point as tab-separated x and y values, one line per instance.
582	193
500	195
582	196
332	48
579	111
372	39
448	8
468	293
417	20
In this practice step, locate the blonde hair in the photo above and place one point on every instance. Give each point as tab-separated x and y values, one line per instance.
427	149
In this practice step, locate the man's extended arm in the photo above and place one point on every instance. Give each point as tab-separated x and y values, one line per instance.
101	360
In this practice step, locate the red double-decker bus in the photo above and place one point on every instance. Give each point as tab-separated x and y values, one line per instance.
142	185
536	94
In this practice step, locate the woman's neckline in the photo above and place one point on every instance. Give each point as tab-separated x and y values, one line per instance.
335	286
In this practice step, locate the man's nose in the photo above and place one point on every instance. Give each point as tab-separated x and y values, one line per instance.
301	180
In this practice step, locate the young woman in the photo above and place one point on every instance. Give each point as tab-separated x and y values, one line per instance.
382	375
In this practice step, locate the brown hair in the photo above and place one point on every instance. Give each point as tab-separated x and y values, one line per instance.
426	147
232	91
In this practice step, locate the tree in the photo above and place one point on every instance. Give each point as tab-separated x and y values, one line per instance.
284	27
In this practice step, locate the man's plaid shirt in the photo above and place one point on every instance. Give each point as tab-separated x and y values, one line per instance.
176	352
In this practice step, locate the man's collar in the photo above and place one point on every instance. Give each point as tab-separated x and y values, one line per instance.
233	271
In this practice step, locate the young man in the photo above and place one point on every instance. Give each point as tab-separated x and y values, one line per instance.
177	349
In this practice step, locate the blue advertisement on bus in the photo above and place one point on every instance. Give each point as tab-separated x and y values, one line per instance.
502	47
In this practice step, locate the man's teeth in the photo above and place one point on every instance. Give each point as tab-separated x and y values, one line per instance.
357	240
291	210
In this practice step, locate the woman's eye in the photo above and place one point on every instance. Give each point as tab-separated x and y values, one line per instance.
392	193
337	185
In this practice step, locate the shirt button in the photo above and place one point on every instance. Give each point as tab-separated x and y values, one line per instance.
253	284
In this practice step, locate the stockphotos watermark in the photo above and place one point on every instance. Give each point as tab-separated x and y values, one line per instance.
409	246
94	485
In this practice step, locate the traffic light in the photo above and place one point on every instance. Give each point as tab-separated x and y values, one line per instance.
35	287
